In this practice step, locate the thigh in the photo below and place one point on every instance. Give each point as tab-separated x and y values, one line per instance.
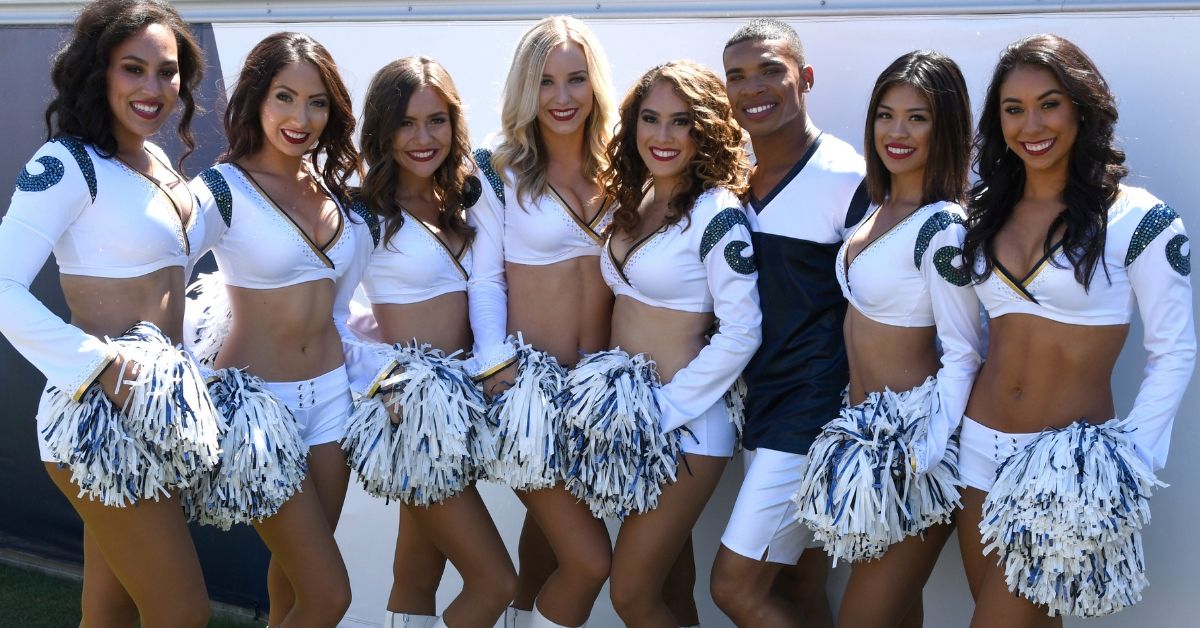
997	607
105	601
330	477
970	546
301	541
146	548
649	543
462	529
882	591
567	523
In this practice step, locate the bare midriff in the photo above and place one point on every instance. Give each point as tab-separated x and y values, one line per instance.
441	322
104	306
564	308
887	356
1041	373
283	334
672	338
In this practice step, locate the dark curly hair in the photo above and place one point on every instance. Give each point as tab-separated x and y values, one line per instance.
1095	168
384	109
243	118
939	80
720	160
78	72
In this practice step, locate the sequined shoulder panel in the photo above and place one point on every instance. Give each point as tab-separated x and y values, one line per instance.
721	224
360	209
472	190
1153	223
219	187
483	157
939	221
82	159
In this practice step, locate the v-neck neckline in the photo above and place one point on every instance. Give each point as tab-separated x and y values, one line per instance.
620	265
760	205
454	257
848	261
321	251
589	226
1022	284
184	227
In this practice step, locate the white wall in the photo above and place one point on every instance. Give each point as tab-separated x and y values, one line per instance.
1148	58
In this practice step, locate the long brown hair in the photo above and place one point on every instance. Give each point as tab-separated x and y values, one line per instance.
720	160
80	106
939	80
385	108
243	118
1095	168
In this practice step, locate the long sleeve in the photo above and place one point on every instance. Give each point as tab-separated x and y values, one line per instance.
487	291
723	247
960	332
51	194
1159	276
364	364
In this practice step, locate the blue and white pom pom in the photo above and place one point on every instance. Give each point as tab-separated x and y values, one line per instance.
735	407
528	422
207	317
1065	518
263	457
860	492
165	437
618	456
432	453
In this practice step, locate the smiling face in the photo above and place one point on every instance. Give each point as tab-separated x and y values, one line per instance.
766	86
423	140
1038	119
143	83
903	128
664	127
296	110
565	96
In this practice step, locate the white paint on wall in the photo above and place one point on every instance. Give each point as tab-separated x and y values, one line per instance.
1149	60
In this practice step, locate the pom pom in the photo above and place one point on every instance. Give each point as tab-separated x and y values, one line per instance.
207	317
528	422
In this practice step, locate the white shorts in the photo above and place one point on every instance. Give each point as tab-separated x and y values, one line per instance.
981	451
712	433
321	405
763	525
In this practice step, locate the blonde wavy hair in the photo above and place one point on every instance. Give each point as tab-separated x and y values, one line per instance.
521	149
720	160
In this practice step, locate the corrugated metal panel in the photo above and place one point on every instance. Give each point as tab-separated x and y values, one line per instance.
58	12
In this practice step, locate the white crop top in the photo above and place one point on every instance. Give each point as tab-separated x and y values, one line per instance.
100	218
415	265
1148	259
704	263
259	246
895	280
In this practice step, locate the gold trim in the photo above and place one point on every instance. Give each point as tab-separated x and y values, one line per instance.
318	251
95	374
1041	265
646	239
384	373
1018	288
445	247
570	212
184	228
495	369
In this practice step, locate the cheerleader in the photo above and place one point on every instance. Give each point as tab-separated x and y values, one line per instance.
1060	251
419	434
124	422
290	255
881	484
542	199
650	434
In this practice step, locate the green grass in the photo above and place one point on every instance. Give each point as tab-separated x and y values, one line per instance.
34	600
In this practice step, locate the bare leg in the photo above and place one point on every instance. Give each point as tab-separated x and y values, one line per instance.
322	496
536	562
743	588
679	592
148	549
650	543
105	601
581	548
417	569
462	529
804	584
881	593
969	545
